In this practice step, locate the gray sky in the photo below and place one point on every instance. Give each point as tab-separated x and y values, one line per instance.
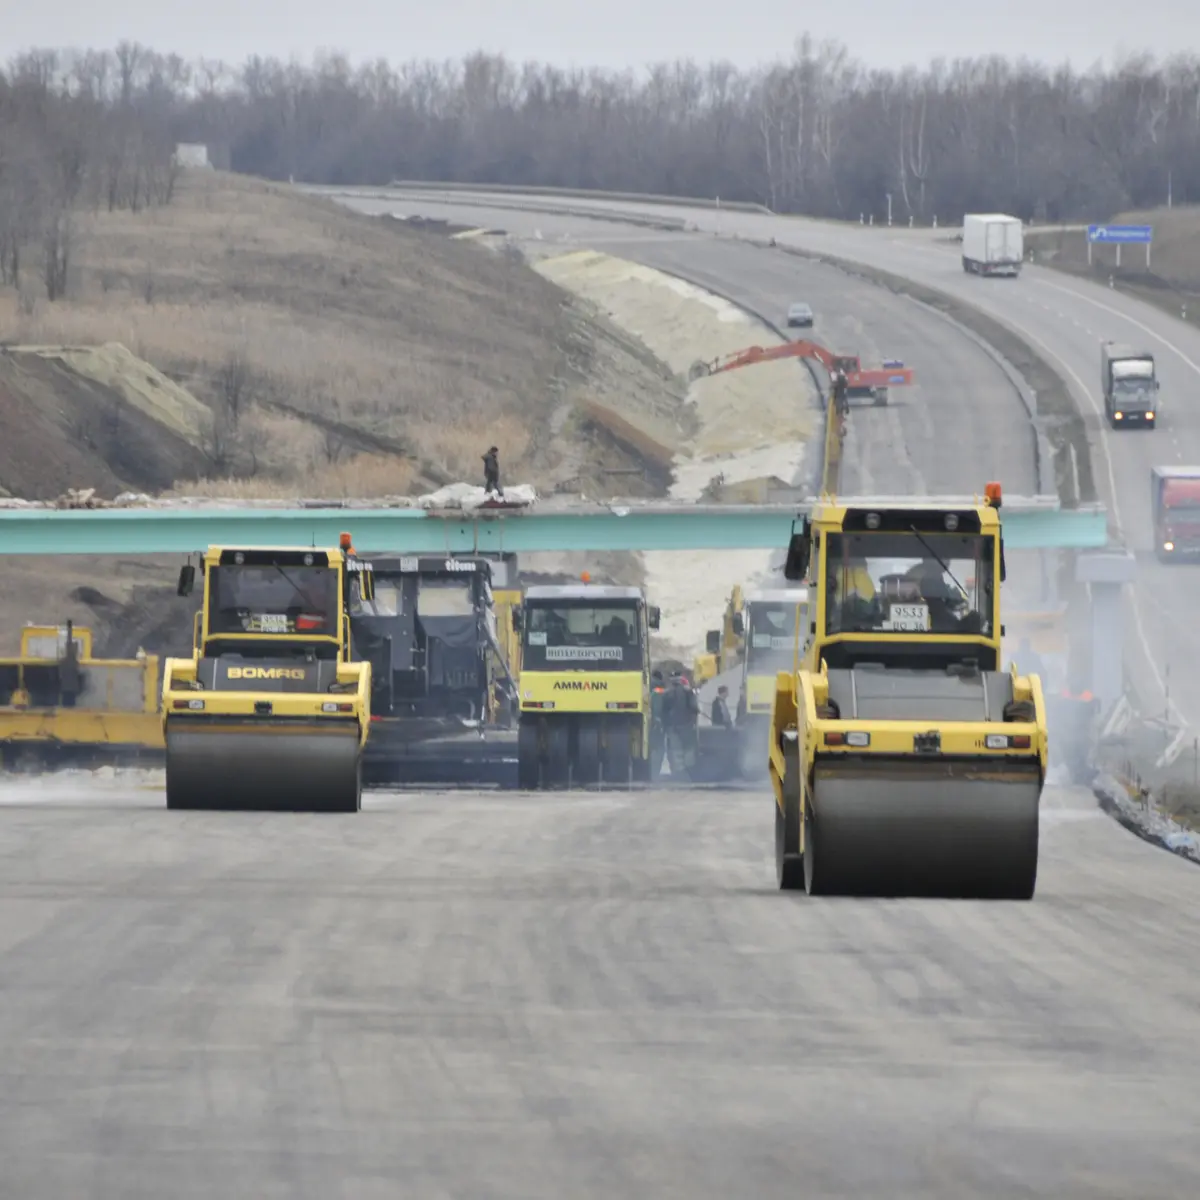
609	32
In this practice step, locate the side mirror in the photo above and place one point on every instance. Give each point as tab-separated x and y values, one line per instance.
187	580
655	616
739	624
1003	569
798	553
712	642
516	618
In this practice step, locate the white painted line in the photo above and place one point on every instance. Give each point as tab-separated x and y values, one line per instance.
1116	312
1116	509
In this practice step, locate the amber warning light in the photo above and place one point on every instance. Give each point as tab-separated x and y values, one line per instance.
992	492
345	542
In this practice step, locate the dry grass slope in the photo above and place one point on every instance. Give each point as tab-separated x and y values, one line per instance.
1173	281
363	356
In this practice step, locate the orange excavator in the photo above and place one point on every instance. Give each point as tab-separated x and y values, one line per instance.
872	382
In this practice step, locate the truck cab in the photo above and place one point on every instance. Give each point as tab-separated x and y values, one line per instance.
1130	386
1175	511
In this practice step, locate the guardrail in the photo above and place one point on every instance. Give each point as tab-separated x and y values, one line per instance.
519	189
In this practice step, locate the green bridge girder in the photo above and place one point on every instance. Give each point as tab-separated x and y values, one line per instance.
1028	525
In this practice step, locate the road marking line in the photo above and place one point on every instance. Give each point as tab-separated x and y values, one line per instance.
1116	312
1116	509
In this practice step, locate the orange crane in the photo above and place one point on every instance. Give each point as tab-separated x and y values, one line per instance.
860	381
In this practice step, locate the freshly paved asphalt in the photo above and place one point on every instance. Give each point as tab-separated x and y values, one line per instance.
572	996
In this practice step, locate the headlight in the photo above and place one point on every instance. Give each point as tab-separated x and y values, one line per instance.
857	738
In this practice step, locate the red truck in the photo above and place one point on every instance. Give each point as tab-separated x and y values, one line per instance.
1175	509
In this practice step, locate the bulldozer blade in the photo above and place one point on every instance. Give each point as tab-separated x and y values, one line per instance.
264	767
963	830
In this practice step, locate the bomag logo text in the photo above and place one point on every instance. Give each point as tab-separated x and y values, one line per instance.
580	685
266	673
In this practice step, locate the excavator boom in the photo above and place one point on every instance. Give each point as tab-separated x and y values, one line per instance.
856	375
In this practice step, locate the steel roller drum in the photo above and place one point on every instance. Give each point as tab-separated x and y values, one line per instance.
264	766
911	828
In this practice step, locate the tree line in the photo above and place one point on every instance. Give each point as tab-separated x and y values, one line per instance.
76	131
817	133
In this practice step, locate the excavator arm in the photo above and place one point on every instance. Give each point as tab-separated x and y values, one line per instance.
856	376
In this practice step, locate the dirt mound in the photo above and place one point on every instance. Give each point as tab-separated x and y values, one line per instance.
60	429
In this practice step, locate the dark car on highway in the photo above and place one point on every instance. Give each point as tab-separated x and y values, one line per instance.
800	314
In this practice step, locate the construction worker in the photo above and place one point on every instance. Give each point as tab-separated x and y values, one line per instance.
840	403
491	471
720	709
658	740
680	724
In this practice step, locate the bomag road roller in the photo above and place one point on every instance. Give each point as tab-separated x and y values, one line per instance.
584	686
904	761
269	713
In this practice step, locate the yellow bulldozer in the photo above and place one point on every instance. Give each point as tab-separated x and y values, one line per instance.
904	760
270	713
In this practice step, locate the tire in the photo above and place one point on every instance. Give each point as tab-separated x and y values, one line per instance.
616	761
587	753
1020	710
789	865
527	756
557	773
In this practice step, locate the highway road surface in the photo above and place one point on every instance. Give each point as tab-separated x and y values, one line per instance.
1064	318
896	450
517	996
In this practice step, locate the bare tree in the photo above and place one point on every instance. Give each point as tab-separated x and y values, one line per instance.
234	382
814	132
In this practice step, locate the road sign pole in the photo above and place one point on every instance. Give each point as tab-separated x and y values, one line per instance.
1089	242
1147	257
1118	256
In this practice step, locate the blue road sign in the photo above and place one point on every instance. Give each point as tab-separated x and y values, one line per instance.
1127	234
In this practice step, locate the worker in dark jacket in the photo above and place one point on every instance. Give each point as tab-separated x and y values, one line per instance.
720	709
491	471
658	738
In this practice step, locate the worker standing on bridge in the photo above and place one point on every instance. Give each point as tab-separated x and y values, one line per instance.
491	471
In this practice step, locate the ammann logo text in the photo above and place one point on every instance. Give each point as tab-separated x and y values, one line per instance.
580	685
266	673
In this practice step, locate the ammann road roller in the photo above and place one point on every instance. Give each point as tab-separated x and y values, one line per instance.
584	686
269	713
904	762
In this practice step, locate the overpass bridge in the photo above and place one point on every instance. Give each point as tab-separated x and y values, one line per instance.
1030	523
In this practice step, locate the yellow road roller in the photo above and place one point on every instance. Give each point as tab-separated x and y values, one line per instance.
269	713
584	686
904	761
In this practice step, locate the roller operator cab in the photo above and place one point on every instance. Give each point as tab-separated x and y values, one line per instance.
584	685
903	760
270	712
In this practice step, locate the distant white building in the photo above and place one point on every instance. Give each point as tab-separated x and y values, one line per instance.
192	154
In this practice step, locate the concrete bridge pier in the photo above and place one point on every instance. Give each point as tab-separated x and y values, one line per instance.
1097	656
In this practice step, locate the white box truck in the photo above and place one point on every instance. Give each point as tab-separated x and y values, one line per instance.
993	244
